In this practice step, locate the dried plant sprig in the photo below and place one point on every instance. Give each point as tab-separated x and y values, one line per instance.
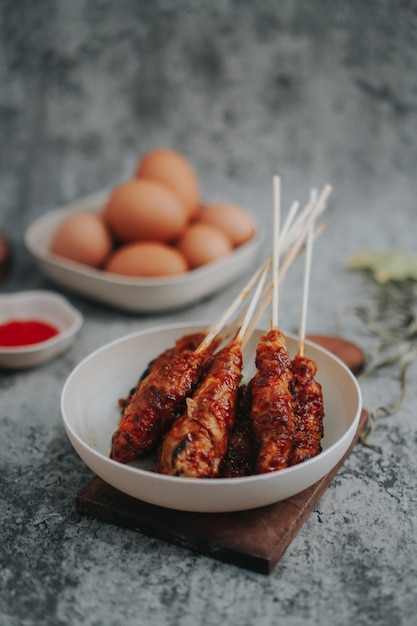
392	408
391	320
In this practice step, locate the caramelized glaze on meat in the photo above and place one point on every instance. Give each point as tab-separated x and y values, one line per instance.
158	400
239	460
187	342
197	441
271	414
308	409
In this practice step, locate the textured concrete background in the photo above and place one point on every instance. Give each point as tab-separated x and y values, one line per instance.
315	91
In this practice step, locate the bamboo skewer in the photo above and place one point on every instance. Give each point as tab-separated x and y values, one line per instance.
251	308
309	207
284	233
289	220
306	283
307	271
266	295
316	209
291	241
226	315
275	250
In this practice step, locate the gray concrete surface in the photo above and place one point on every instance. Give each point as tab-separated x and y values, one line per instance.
315	91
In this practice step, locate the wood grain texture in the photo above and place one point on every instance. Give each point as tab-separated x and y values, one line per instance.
254	539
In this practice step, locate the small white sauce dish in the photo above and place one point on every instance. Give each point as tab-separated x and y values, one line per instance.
44	306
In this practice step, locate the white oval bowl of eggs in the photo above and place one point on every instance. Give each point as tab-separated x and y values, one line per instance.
148	245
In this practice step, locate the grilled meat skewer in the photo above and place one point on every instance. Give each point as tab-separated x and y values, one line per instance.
239	459
187	342
271	414
308	410
158	400
197	441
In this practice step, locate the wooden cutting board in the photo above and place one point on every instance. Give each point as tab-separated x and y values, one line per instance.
254	539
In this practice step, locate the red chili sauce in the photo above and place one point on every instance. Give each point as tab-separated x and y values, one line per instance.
14	333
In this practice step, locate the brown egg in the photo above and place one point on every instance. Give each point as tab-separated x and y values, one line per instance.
203	243
140	210
83	237
147	259
231	219
173	170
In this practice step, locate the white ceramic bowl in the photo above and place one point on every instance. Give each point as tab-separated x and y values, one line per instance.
90	414
129	293
45	306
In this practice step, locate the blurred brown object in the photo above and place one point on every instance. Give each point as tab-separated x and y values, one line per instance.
5	257
351	354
